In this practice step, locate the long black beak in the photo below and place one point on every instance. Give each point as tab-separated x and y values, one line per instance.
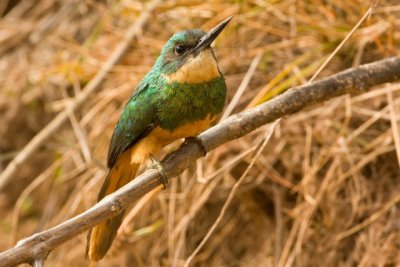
207	39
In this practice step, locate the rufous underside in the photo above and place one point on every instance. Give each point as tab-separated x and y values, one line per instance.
160	137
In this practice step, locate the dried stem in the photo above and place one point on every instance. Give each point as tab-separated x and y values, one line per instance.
90	88
230	196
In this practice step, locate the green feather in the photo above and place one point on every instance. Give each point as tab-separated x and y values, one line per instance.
168	105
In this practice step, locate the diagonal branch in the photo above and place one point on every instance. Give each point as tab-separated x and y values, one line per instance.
355	80
89	89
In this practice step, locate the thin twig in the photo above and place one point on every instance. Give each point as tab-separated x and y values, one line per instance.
242	86
375	216
38	263
342	43
355	80
230	196
91	87
393	122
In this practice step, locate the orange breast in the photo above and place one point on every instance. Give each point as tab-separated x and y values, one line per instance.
160	137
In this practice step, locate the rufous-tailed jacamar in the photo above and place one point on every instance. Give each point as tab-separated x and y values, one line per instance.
181	96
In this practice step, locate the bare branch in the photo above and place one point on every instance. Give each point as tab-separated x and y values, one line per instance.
91	87
355	80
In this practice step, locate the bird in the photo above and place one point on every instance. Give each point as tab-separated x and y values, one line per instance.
182	95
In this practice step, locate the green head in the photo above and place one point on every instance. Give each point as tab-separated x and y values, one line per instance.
188	58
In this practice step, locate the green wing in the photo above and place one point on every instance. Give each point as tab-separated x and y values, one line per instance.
136	121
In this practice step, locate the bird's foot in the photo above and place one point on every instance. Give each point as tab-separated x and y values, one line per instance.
198	141
157	165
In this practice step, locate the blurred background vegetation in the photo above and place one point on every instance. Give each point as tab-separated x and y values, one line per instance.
324	192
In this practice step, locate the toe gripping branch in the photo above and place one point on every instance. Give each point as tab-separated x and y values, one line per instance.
157	165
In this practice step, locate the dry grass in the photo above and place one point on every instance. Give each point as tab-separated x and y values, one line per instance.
323	192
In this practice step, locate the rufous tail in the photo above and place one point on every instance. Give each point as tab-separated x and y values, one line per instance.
101	236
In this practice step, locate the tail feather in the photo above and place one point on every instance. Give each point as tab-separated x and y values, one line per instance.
101	236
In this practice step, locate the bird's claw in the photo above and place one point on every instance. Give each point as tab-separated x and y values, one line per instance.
156	165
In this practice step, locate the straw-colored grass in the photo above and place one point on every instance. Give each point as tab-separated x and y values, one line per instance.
324	191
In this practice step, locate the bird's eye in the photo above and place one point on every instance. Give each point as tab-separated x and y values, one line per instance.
180	49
